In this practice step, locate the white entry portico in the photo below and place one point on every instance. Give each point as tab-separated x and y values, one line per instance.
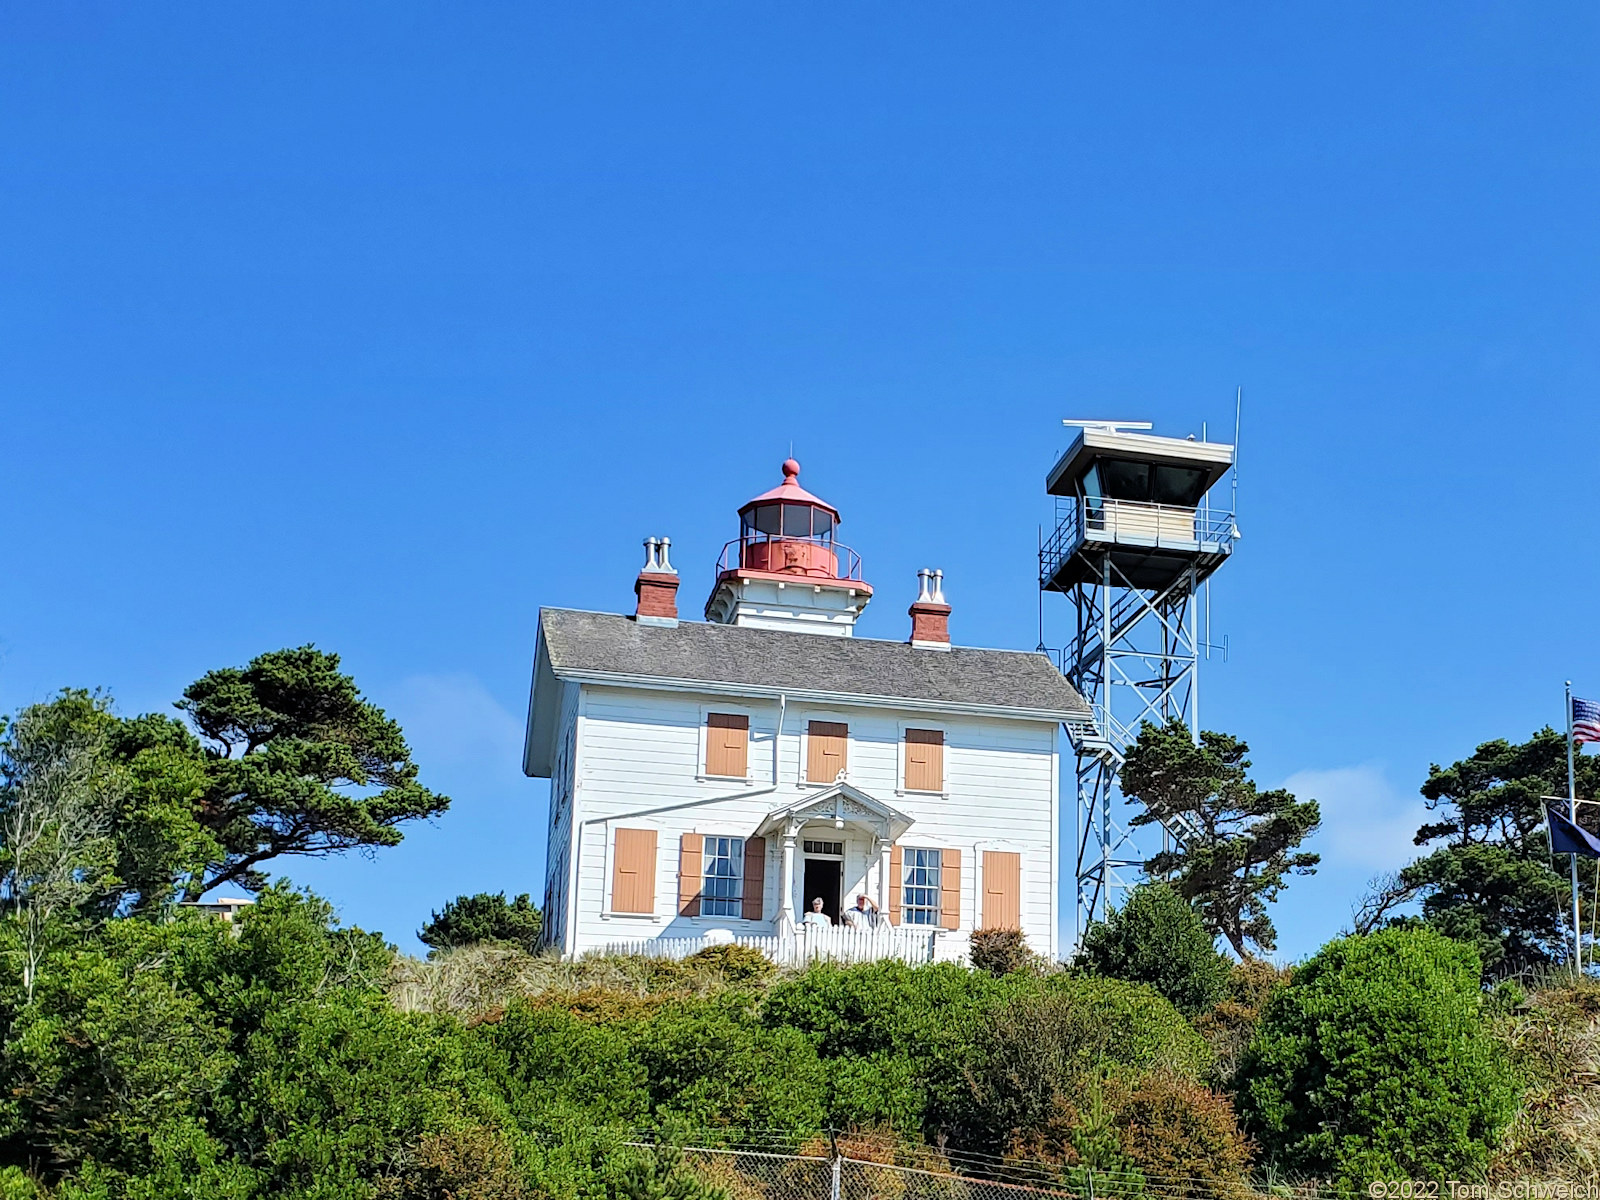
841	808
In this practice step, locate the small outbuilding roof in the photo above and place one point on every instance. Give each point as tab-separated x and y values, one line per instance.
589	647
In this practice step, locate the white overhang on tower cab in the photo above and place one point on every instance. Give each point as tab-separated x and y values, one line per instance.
785	570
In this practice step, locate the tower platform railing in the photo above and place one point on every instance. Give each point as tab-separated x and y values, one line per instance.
1136	523
790	554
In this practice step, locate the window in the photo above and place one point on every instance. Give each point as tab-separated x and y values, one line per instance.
728	745
722	889
1179	485
1092	506
924	760
1125	480
919	903
825	848
826	757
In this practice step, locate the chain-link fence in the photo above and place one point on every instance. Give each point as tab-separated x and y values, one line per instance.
854	1169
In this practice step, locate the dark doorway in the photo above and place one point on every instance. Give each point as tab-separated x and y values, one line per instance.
825	878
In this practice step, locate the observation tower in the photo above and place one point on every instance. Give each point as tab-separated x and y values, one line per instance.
1136	536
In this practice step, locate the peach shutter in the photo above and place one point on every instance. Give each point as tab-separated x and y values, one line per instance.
728	744
691	873
924	760
755	878
633	871
825	752
950	889
1002	890
897	883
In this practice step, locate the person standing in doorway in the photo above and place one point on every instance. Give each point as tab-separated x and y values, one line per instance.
816	916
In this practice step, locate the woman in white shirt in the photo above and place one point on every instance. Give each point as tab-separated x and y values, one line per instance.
816	916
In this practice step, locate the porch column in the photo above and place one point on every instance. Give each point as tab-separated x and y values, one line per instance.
884	883
786	884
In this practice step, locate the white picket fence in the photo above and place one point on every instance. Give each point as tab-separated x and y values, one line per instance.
807	944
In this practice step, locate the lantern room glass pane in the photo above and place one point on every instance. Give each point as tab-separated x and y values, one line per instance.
765	519
796	520
821	523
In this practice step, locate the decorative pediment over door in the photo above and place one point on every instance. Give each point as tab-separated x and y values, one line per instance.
844	806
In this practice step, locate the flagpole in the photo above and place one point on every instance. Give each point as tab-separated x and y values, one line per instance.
1572	811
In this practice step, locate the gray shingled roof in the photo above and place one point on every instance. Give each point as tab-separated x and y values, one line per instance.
587	645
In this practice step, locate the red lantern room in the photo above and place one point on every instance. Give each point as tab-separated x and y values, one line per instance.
786	569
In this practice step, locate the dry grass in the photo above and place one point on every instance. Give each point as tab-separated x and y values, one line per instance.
1555	1043
477	981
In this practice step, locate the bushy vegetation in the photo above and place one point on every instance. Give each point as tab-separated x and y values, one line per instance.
485	917
1376	1062
147	1051
1158	938
1553	1038
1000	951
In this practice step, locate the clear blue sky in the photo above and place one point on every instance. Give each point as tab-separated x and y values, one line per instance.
379	327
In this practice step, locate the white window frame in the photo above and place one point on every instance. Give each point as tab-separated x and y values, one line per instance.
738	877
938	887
900	788
703	741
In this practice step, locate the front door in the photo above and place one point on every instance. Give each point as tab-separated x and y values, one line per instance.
823	877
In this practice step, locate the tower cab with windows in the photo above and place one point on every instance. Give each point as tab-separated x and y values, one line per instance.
1137	504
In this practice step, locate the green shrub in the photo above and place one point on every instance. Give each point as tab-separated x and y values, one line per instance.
736	964
999	951
918	1023
1158	938
715	1065
1184	1138
485	917
468	1163
1039	1052
1374	1063
1229	1025
537	1058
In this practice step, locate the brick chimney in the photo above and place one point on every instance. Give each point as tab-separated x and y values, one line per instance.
930	615
657	585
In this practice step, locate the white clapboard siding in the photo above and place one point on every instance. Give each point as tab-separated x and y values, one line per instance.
640	764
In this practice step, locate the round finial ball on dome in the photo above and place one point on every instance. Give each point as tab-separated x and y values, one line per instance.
791	467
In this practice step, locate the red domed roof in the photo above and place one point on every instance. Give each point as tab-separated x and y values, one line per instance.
790	492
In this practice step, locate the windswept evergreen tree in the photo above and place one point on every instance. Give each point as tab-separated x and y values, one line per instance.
1490	879
1241	843
484	917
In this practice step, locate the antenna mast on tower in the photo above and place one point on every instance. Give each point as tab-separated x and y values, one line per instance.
1135	537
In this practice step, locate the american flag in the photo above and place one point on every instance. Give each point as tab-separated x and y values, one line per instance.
1585	720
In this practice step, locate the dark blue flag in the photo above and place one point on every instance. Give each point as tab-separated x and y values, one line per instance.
1567	838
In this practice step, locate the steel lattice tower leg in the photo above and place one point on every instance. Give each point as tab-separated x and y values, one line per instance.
1135	658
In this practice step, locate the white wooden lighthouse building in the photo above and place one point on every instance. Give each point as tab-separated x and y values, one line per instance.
711	779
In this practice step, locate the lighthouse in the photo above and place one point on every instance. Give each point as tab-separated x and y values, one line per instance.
769	776
787	570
